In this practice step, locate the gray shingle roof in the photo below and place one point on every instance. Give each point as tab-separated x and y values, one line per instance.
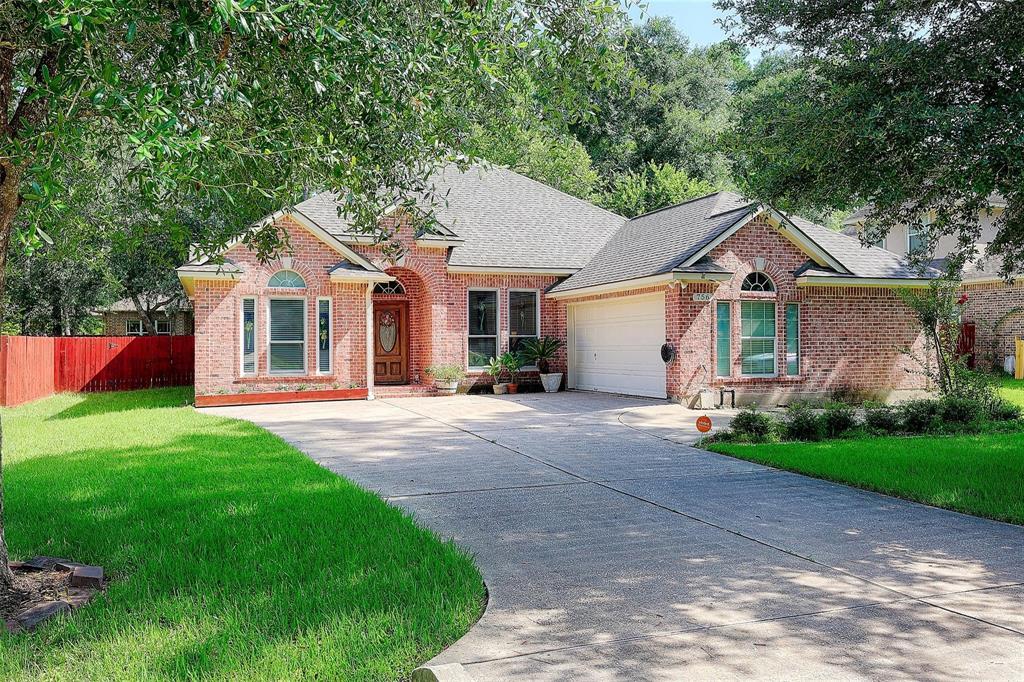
862	261
660	241
505	220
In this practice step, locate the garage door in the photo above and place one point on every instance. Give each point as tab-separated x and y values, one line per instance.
616	346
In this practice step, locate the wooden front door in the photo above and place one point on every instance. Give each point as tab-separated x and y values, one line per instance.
391	342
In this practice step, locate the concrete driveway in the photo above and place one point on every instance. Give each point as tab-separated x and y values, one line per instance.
612	550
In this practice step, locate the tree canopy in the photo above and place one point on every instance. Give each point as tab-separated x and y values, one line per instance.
916	108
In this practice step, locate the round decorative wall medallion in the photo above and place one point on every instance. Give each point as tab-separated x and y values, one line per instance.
668	352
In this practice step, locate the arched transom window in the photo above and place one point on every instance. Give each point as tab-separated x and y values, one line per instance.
758	281
286	279
394	287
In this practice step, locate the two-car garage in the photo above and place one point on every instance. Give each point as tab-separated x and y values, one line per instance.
615	345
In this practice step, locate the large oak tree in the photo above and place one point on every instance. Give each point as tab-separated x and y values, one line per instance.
911	106
241	103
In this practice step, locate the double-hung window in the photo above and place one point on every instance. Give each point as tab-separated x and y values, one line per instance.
483	326
523	317
917	235
287	338
248	336
757	338
133	327
163	327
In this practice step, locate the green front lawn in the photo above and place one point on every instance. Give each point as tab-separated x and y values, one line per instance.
233	556
1012	390
981	474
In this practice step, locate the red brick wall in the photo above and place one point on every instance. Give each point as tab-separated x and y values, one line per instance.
851	337
997	308
218	308
437	300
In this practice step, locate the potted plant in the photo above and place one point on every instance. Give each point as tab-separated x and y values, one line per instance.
446	377
512	362
496	369
540	352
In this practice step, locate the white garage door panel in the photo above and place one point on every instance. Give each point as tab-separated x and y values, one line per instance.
617	344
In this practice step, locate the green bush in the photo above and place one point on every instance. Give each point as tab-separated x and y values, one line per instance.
838	419
919	416
961	410
753	426
1001	410
881	418
803	423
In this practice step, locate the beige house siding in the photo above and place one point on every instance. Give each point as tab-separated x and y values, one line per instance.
115	323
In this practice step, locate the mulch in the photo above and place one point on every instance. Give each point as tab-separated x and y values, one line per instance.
45	587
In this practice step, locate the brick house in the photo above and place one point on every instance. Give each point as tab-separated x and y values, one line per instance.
733	294
995	307
122	319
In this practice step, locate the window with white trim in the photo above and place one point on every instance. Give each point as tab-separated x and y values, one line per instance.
792	339
723	339
249	336
757	338
758	281
163	327
133	327
916	236
287	279
287	336
323	335
523	317
482	339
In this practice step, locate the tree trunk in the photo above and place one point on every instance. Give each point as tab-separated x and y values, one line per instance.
10	178
144	314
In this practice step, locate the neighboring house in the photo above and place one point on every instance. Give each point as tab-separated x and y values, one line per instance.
122	319
747	298
994	306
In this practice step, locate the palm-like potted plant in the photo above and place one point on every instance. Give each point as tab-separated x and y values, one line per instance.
540	352
512	362
446	377
496	369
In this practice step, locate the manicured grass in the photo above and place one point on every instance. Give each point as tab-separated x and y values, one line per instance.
981	474
1012	390
233	556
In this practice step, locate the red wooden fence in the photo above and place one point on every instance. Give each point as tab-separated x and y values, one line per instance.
965	342
34	367
26	368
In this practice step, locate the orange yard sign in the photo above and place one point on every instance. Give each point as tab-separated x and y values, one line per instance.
704	423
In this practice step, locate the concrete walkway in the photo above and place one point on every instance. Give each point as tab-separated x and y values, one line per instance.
612	550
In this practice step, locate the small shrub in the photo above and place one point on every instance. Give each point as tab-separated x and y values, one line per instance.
803	423
881	418
1003	411
960	410
753	426
446	373
838	419
919	416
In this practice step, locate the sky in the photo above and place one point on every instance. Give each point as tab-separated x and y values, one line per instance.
695	18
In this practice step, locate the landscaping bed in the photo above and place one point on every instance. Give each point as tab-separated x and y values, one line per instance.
955	453
228	553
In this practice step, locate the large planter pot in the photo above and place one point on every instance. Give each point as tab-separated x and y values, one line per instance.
513	388
500	389
551	382
448	387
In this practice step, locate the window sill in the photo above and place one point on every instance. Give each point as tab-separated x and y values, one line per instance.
286	379
729	381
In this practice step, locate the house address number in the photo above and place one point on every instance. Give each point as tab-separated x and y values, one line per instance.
702	297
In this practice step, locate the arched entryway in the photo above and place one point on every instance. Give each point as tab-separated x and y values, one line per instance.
402	329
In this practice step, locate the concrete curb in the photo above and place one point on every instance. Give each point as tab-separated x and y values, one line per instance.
449	672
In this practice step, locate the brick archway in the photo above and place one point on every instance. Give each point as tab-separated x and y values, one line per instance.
417	295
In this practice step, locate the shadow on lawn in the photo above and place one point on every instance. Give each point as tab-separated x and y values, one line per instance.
90	404
228	552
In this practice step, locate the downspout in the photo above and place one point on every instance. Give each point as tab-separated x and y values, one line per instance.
369	341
